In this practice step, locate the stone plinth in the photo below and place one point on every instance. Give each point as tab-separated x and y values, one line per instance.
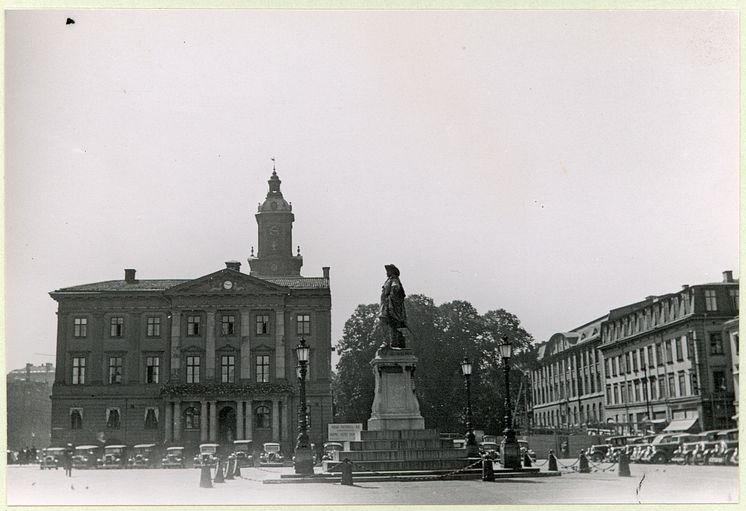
395	405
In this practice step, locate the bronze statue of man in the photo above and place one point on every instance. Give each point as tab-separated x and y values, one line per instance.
392	314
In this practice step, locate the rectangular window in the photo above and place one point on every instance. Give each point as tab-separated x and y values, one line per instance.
152	369
652	388
117	327
718	381
153	326
227	368
614	363
303	324
662	387
112	418
608	394
659	354
80	327
624	393
192	369
115	370
711	303
716	343
635	355
78	370
682	383
637	391
262	324
669	351
76	418
262	368
651	360
616	394
733	293
679	349
228	325
671	386
193	323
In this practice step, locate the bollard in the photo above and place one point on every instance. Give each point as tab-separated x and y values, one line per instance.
219	477
237	470
584	467
230	468
347	472
552	462
624	465
526	460
488	471
205	480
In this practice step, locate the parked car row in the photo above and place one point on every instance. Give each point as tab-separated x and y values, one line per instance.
491	450
710	447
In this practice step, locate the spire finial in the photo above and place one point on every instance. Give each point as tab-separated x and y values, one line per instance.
274	171
298	250
252	251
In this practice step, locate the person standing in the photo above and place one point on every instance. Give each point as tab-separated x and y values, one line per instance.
67	460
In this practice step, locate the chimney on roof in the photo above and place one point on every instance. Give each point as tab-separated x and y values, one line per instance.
28	371
233	265
684	286
651	297
129	276
728	276
325	269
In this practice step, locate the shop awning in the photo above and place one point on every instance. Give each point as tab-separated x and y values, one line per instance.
681	425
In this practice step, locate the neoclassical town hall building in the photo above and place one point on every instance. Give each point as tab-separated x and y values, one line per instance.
212	359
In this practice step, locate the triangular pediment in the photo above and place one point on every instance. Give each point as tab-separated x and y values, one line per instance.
226	282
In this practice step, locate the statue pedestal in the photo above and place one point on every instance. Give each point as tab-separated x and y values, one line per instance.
395	405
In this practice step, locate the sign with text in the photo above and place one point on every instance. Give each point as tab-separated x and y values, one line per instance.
344	432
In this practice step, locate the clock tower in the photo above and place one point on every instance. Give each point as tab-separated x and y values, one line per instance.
275	221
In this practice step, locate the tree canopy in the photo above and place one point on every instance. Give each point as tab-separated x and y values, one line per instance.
440	336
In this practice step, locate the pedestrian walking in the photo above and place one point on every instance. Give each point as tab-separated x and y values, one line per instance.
67	460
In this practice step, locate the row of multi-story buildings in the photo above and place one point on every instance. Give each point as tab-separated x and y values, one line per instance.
667	362
186	361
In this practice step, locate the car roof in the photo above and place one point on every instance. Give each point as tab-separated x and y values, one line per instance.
209	445
271	443
243	441
87	447
145	445
175	447
109	446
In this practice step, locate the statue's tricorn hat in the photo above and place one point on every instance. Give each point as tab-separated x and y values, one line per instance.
393	269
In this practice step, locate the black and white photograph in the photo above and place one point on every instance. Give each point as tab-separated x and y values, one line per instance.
371	257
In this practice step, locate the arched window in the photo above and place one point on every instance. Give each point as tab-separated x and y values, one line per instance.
263	417
76	418
151	418
191	418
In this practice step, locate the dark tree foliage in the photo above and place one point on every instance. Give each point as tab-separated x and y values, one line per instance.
441	336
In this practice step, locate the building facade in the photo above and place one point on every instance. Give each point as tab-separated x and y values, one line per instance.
568	386
29	410
210	359
667	362
730	332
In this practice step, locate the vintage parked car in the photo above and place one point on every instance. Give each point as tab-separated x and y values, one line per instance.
722	453
51	458
242	453
734	457
271	454
636	447
143	456
609	450
684	455
702	451
330	451
208	456
115	456
662	451
174	458
526	449
86	456
491	450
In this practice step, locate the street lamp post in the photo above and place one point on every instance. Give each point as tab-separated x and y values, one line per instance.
472	450
303	462
510	452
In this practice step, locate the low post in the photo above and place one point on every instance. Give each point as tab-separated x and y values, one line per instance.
230	468
584	467
488	471
237	470
552	461
205	479
526	460
624	465
347	472
219	477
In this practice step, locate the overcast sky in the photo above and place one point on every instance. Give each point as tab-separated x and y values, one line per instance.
554	164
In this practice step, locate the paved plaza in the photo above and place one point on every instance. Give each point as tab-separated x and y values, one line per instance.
27	485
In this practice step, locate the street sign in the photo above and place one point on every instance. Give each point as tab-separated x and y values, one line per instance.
344	432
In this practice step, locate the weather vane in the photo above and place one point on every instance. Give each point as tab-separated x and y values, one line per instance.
273	164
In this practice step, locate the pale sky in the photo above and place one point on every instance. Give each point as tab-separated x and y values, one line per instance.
554	164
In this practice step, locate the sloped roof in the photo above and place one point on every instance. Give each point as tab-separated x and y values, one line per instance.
299	282
292	282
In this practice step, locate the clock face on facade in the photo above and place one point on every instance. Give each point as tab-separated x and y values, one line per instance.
274	230
227	284
273	205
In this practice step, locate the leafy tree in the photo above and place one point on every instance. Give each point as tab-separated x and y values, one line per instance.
440	336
